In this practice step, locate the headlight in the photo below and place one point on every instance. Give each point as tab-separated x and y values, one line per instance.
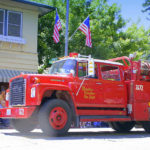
33	91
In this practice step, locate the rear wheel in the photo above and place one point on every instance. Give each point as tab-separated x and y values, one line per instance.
55	117
122	126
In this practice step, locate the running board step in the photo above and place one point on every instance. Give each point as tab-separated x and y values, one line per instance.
104	117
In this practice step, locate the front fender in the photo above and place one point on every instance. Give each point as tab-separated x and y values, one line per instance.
42	88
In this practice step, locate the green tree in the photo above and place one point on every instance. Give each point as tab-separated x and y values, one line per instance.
105	23
133	40
146	5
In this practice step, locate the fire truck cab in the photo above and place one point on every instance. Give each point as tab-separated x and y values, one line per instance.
79	89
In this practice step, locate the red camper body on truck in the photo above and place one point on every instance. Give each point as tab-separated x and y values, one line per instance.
79	89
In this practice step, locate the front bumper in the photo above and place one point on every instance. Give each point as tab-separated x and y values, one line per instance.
16	112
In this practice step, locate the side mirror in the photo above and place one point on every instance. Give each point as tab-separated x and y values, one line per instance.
91	67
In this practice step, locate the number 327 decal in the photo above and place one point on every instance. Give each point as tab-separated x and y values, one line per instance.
139	87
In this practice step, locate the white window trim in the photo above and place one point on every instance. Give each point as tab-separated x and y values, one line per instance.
3	20
20	22
12	39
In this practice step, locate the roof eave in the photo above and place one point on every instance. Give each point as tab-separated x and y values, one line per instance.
44	9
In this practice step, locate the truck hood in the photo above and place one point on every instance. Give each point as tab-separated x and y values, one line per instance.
46	78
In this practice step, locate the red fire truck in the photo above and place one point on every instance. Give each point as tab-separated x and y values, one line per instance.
80	89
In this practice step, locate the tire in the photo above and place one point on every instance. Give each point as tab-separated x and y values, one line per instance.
146	126
24	125
122	126
55	117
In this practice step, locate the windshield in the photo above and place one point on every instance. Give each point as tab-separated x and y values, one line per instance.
63	67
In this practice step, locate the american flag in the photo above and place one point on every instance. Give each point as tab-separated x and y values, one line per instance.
85	28
57	28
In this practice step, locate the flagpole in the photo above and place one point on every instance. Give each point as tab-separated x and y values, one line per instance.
67	23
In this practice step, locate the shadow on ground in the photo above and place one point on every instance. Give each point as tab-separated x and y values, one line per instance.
77	135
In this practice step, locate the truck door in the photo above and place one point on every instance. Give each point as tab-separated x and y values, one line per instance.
113	86
89	91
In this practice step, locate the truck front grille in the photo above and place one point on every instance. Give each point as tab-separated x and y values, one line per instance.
17	91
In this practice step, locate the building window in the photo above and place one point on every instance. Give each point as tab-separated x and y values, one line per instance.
10	23
14	23
1	22
11	27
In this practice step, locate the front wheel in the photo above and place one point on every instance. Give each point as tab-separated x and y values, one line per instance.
122	126
24	125
55	117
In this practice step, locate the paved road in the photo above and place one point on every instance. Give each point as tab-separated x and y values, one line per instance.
77	139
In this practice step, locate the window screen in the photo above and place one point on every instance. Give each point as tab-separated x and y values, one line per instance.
1	22
110	73
14	24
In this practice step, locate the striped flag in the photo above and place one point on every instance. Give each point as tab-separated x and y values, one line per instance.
57	28
85	28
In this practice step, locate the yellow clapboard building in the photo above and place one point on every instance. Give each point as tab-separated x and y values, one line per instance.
18	37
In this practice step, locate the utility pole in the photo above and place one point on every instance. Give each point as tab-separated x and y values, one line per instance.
67	24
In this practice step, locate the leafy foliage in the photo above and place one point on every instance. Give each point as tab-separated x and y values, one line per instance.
134	40
146	5
106	24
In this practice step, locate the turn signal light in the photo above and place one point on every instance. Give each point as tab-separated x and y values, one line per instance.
36	80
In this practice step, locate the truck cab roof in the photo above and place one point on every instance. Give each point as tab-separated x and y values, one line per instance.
95	60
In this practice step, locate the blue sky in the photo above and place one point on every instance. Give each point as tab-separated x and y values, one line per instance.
132	10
